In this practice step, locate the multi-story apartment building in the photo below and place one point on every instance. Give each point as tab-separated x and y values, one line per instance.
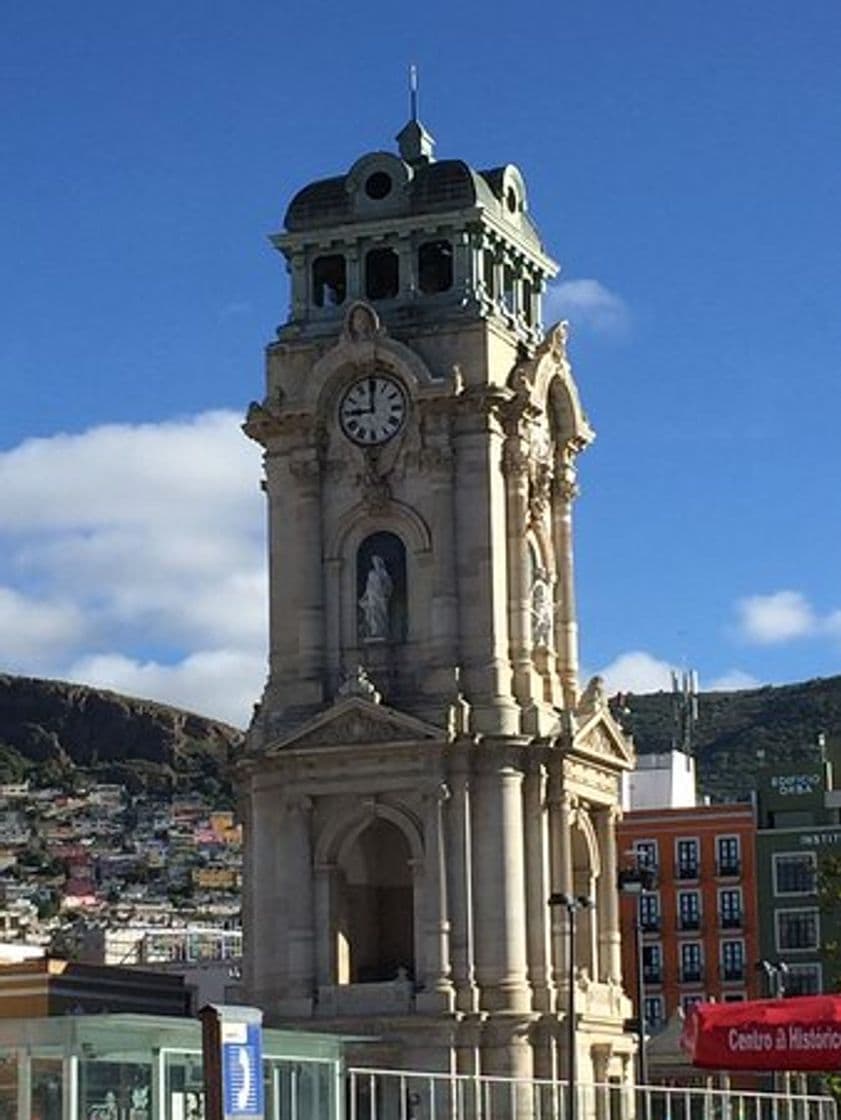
698	925
798	826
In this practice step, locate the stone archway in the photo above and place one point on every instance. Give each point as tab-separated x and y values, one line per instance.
375	906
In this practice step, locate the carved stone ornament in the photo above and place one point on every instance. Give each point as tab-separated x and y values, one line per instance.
362	324
594	698
355	727
358	683
556	341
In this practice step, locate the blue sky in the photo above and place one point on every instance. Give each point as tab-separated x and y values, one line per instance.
683	165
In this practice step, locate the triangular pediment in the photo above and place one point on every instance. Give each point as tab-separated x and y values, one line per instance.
356	721
601	738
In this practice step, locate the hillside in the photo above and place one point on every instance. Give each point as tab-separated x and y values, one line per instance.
783	722
51	731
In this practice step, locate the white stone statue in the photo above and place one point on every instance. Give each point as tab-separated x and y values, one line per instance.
375	600
541	613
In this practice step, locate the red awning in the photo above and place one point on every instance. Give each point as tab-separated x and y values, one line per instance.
801	1033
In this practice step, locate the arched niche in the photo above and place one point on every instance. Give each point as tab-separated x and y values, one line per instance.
374	906
381	589
586	867
342	572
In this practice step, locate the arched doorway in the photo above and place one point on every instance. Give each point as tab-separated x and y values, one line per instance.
375	929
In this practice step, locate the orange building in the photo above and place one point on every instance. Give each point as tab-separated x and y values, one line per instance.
699	925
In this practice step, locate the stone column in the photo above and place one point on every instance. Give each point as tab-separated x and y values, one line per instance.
459	867
269	941
306	470
610	938
299	896
566	627
499	886
438	986
482	567
438	461
538	887
299	288
560	855
515	463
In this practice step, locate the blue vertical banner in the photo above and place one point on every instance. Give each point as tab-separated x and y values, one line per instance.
232	1045
242	1070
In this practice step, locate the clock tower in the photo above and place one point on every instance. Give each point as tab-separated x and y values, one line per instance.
423	769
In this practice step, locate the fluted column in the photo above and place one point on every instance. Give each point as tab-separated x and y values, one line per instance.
306	470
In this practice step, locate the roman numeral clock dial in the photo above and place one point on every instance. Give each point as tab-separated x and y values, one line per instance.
372	409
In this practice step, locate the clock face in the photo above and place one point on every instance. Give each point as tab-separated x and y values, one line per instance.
372	409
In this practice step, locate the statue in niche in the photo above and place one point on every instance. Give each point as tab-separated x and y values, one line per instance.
375	600
541	613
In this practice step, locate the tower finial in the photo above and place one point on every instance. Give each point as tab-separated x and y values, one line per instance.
413	92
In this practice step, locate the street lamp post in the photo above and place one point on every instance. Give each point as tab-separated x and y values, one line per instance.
635	881
572	904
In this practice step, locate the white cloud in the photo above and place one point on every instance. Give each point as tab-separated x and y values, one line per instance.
637	671
31	628
779	617
136	553
588	304
222	684
735	680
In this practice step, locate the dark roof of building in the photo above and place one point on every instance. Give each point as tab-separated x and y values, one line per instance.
434	187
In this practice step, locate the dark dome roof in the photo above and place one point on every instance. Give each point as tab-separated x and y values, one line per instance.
432	187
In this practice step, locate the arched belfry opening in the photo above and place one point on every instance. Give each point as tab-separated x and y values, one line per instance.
584	878
381	591
375	907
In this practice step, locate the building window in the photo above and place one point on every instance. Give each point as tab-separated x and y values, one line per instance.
688	1002
730	908
382	274
794	872
728	855
797	929
508	283
734	997
488	271
689	910
528	297
652	964
804	980
688	859
653	1012
329	280
690	962
649	910
435	267
645	853
732	960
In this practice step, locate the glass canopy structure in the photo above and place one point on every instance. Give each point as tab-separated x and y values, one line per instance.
146	1067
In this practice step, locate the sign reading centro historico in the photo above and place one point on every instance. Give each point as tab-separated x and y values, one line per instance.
802	1033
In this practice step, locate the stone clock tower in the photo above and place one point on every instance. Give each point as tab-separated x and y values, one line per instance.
423	770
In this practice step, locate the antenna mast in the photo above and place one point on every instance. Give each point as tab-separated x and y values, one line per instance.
684	709
413	92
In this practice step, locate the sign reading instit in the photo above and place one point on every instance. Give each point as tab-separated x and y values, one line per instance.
232	1039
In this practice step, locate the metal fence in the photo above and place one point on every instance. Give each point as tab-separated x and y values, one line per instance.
379	1094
